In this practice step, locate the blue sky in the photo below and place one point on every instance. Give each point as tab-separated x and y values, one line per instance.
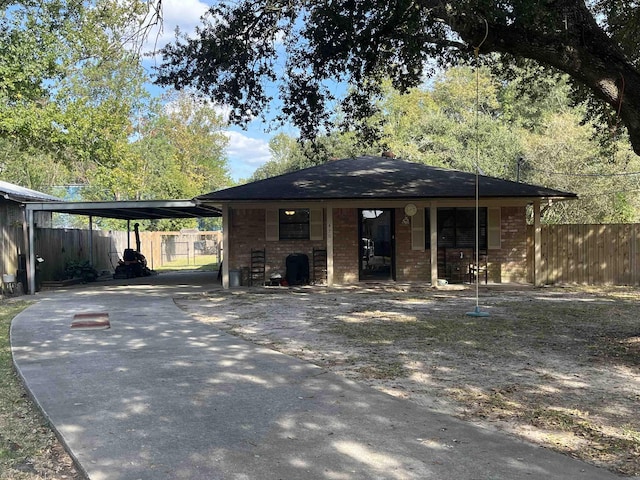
248	149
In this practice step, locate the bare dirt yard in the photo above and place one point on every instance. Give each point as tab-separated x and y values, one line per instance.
559	367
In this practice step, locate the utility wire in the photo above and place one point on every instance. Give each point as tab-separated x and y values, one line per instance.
599	194
620	174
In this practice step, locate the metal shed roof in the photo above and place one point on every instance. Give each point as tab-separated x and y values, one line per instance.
21	194
381	178
130	210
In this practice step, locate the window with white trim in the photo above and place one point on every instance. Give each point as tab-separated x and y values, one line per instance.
294	224
457	227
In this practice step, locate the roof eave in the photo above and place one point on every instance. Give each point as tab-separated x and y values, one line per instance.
523	199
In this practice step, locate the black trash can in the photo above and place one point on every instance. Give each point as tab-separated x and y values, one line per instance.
21	273
297	269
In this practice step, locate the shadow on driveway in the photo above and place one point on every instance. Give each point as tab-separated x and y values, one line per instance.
162	396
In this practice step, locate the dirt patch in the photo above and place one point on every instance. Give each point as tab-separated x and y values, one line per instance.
556	366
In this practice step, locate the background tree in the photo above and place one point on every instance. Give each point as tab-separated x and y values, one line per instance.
75	110
289	154
31	168
565	155
70	85
179	153
241	48
183	147
539	138
541	134
447	123
33	51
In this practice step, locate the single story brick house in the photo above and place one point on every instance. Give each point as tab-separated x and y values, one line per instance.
377	218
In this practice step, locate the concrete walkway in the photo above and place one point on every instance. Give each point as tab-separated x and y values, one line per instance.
161	396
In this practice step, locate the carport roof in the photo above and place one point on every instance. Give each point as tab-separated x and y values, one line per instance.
380	178
130	210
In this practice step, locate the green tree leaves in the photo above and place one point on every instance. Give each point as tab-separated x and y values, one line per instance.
74	108
183	145
246	46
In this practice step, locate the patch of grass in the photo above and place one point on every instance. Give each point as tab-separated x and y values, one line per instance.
556	419
379	331
381	370
618	347
338	362
570	431
208	263
375	328
495	403
28	448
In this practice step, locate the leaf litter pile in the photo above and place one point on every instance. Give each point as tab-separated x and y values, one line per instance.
559	367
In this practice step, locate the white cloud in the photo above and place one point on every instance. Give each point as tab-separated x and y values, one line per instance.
246	154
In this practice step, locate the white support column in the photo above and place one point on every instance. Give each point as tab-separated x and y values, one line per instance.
433	222
329	220
537	245
225	245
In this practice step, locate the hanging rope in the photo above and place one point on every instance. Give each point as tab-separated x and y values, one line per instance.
476	51
477	128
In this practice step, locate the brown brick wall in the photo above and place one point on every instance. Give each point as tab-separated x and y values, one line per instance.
509	264
247	227
411	265
248	232
345	245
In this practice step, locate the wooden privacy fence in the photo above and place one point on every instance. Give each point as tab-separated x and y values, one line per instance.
587	254
162	249
59	247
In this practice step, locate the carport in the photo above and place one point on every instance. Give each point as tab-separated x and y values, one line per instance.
122	210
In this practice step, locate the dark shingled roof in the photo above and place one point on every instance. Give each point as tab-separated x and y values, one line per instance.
377	177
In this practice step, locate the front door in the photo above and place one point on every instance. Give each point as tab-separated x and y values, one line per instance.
377	249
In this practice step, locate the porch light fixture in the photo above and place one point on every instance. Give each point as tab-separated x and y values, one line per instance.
289	213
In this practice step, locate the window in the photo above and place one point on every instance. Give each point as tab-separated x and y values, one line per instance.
294	224
457	227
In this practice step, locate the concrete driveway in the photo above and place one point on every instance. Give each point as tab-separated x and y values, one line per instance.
162	396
